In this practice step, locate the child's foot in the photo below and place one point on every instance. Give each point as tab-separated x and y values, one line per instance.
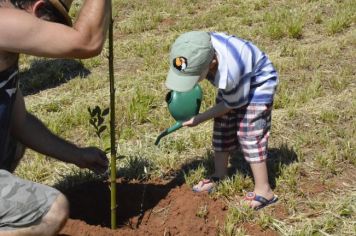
206	185
258	201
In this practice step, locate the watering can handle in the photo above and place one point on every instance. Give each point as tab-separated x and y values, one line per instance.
171	129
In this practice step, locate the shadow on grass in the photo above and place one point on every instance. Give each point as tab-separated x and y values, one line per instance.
44	74
277	158
89	195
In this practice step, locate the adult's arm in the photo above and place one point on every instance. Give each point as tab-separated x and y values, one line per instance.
22	32
33	134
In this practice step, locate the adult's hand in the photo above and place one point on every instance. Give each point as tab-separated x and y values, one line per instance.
92	158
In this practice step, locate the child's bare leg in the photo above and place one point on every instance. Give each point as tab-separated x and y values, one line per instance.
221	161
262	186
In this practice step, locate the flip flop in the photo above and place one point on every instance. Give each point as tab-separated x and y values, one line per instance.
251	196
211	180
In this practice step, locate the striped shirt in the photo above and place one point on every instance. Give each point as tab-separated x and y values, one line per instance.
245	74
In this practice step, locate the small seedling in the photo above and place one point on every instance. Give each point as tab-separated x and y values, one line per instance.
97	118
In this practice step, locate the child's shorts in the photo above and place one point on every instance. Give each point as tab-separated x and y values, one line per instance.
22	202
246	128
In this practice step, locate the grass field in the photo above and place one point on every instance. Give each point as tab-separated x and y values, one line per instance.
313	158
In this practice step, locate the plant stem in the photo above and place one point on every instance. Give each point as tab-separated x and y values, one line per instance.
112	125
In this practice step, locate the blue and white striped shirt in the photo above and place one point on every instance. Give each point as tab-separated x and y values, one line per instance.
245	74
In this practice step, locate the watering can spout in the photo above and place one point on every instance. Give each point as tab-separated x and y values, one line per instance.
182	106
171	129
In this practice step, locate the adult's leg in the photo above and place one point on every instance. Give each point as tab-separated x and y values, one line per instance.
28	208
50	224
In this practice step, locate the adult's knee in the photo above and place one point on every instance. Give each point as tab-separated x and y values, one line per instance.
62	205
57	215
50	224
60	209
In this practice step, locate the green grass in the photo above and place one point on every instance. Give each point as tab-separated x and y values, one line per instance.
202	211
343	17
233	186
237	215
312	45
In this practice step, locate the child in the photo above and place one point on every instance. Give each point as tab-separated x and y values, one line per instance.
246	82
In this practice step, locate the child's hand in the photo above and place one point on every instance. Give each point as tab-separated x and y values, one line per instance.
192	122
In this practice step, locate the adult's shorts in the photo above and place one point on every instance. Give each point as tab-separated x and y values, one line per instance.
22	202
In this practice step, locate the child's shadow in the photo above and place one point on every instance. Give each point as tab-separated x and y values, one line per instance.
277	158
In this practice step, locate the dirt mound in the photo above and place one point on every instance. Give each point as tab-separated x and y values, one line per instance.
143	209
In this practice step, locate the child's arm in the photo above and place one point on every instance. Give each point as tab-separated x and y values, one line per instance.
215	111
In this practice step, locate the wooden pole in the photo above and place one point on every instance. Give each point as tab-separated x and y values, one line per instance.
112	125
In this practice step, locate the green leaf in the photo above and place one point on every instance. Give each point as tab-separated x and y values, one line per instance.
100	120
91	121
105	112
96	110
102	128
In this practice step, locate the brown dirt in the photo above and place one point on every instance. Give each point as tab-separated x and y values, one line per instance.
253	229
168	209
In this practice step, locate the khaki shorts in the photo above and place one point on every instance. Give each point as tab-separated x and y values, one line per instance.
22	202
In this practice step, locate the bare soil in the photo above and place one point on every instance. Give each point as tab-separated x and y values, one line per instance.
165	209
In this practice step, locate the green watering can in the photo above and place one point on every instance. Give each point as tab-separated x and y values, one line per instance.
182	106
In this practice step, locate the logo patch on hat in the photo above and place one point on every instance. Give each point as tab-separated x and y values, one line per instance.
180	63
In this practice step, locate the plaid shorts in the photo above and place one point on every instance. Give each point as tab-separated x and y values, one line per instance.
246	128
